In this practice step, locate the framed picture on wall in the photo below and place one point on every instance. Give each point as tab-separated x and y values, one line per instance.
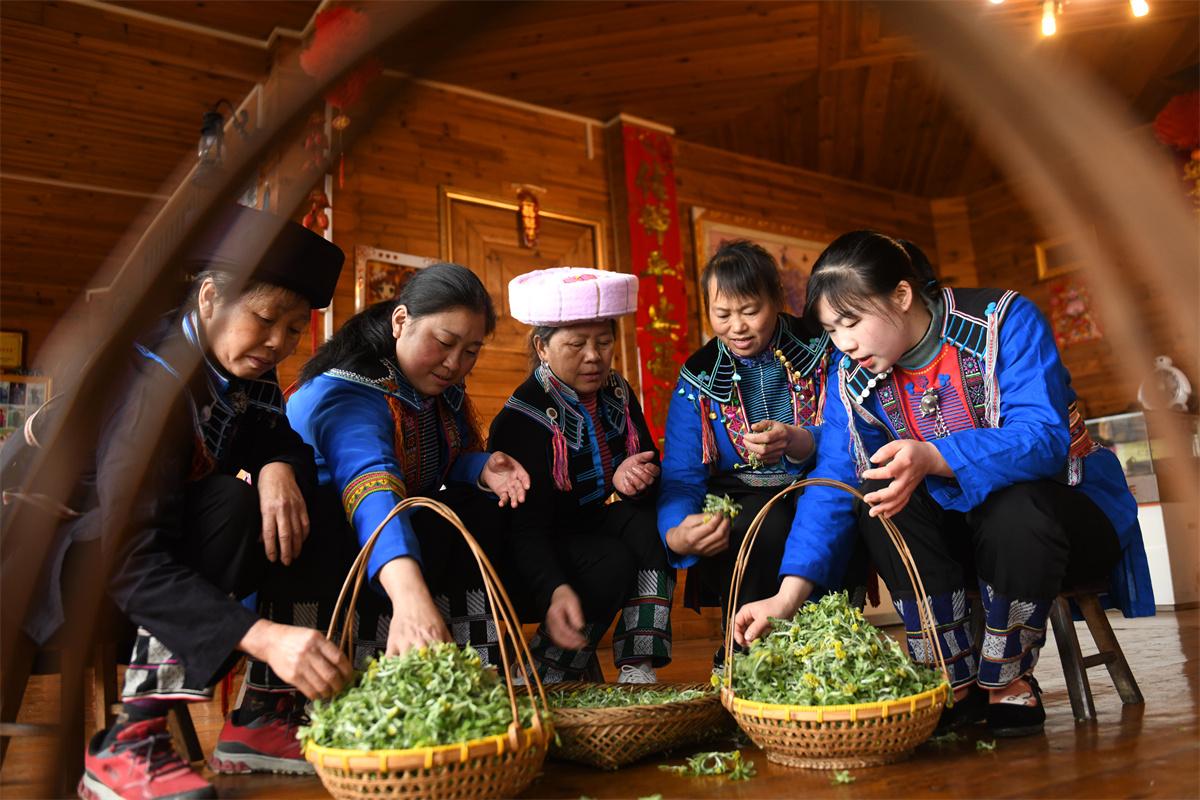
12	349
20	397
1058	257
380	274
794	248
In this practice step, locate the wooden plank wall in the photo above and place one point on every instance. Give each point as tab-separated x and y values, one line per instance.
820	207
1003	234
97	108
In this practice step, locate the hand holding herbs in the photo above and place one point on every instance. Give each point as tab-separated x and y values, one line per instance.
714	505
429	696
828	654
728	764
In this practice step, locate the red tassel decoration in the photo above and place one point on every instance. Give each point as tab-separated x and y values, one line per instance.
708	440
562	478
873	587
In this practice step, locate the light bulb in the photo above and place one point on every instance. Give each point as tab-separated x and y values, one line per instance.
1048	26
1140	7
997	2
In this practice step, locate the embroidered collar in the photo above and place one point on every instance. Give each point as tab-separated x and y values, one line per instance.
391	381
214	417
968	317
564	410
711	369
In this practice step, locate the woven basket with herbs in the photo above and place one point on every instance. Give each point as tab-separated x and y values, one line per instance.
611	725
802	688
495	746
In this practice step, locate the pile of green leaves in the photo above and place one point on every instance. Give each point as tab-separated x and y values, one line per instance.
429	696
729	764
828	654
720	505
603	695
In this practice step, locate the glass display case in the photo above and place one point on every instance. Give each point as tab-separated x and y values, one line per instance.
1152	444
1146	443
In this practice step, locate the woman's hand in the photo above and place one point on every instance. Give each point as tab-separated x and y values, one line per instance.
698	536
284	514
905	462
754	619
564	619
300	656
771	441
416	622
636	474
506	478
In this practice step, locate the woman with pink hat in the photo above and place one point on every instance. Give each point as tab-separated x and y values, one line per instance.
579	431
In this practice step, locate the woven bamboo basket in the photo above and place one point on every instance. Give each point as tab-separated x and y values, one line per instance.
610	738
493	767
842	736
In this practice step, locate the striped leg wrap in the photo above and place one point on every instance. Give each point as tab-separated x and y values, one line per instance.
644	625
155	673
1014	634
952	618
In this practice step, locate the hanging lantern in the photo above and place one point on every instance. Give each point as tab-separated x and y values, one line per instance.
527	218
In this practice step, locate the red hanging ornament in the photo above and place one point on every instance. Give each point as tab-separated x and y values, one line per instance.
337	31
528	220
1178	124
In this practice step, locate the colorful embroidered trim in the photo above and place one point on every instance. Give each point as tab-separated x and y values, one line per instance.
369	483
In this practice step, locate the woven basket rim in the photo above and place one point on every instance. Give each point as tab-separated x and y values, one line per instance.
852	712
421	757
713	695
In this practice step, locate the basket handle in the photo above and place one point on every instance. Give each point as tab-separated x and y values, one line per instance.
501	605
923	610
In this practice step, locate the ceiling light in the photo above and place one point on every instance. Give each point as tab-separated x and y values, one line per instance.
1048	25
1140	7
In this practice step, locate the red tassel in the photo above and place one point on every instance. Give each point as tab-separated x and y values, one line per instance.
632	443
708	440
342	170
562	478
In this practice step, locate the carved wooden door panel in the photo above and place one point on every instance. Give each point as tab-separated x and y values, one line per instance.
482	234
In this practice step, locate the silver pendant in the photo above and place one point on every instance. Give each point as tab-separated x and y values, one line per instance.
929	401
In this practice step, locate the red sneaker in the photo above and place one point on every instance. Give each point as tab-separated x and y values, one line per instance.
264	744
140	765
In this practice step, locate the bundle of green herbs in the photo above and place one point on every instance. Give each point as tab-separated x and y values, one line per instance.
714	504
828	654
602	695
430	696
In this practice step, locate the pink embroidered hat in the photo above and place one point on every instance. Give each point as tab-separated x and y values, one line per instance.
566	295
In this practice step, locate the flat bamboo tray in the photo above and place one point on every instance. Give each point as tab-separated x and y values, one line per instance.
610	738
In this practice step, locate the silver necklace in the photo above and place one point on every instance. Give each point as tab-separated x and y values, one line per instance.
931	407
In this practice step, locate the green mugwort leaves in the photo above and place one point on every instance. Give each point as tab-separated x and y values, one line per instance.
828	654
714	505
841	776
982	745
430	696
729	765
602	695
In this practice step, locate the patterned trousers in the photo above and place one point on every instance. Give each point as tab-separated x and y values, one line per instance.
1022	544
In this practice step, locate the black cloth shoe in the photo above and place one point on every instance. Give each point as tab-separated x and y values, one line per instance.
971	709
1009	719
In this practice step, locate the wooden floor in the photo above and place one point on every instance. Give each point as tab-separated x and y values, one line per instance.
1147	751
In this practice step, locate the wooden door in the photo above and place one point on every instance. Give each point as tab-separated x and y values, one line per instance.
481	234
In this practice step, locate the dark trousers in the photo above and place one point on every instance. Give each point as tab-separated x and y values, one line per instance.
1025	540
304	592
222	542
616	562
761	577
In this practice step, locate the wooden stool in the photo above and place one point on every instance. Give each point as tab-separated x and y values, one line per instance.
1075	665
67	661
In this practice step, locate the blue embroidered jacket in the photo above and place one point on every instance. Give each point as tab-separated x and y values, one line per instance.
362	423
704	426
1021	410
